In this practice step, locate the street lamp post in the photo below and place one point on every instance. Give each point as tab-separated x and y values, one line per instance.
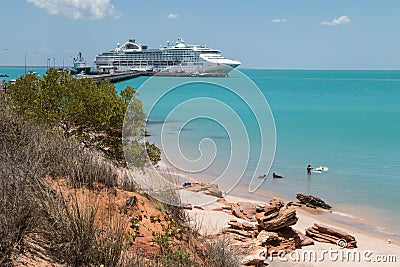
26	55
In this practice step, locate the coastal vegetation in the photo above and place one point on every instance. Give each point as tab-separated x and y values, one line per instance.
64	194
81	108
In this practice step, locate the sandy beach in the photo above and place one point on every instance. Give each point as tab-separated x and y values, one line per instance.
372	249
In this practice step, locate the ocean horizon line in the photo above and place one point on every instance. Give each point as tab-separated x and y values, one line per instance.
32	66
241	68
304	69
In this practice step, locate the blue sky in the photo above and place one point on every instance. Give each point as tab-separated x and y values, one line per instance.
292	34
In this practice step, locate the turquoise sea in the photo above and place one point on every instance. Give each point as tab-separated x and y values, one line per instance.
14	73
346	120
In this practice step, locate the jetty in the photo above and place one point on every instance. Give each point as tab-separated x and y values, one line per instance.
122	76
112	77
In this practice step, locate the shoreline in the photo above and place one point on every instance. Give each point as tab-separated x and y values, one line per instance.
324	217
211	219
333	216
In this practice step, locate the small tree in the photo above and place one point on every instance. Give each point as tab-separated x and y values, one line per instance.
80	107
153	152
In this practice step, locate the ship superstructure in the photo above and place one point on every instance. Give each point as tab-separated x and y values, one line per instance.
173	58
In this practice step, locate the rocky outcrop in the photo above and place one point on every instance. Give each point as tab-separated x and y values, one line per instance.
276	216
287	239
264	230
245	229
247	226
264	238
312	202
305	240
253	260
330	235
271	230
244	210
239	232
205	188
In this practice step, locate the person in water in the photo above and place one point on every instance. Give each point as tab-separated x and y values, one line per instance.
309	168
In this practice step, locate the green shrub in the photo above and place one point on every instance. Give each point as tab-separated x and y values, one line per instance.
92	112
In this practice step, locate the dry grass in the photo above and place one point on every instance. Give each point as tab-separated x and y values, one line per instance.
32	210
17	215
68	228
49	154
220	253
74	233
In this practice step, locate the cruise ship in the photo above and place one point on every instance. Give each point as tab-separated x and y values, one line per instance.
174	58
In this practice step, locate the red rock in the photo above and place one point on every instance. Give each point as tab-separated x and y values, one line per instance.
235	225
291	203
259	216
242	239
263	238
284	218
221	200
248	209
331	235
236	211
239	232
260	207
305	240
253	260
248	226
312	201
288	240
205	188
244	210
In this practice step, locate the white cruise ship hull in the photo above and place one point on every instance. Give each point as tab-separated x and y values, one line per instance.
194	69
180	59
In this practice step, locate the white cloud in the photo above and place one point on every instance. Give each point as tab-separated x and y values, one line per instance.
77	9
279	20
338	21
172	16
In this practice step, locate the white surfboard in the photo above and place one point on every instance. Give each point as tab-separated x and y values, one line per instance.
320	169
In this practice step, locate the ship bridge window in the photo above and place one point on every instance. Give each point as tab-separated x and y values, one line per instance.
131	46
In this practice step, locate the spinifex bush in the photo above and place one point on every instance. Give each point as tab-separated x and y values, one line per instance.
74	233
31	210
17	212
219	252
18	168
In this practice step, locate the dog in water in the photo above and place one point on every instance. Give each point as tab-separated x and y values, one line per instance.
274	175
